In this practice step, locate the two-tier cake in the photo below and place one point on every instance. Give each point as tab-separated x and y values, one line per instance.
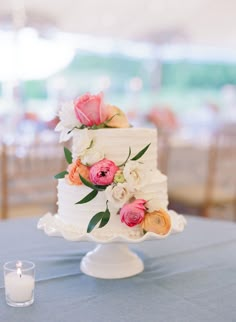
111	186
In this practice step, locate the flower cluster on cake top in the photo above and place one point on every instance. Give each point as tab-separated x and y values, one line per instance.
89	111
123	184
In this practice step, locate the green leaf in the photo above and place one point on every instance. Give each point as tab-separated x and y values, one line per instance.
87	198
141	153
90	185
68	155
61	175
121	165
87	183
97	127
100	188
105	218
82	127
75	127
94	221
69	132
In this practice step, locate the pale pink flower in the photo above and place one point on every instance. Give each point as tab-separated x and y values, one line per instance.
90	109
103	172
133	213
118	194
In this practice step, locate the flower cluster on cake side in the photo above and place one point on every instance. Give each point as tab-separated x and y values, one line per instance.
122	184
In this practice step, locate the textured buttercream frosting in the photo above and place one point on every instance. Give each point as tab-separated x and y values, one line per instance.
115	143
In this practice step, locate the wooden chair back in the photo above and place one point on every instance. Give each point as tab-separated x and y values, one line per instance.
27	173
221	164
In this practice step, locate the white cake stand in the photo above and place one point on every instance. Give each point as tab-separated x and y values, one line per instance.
111	258
110	261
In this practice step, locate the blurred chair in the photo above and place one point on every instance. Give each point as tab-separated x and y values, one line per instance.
163	117
167	123
219	186
28	186
163	139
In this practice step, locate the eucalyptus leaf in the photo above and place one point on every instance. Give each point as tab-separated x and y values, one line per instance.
60	175
88	198
68	155
94	221
141	153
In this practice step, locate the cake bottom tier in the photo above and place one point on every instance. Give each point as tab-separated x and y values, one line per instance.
80	215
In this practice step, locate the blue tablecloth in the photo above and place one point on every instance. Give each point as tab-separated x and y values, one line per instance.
188	277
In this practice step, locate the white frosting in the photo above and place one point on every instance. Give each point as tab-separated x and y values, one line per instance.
80	215
115	144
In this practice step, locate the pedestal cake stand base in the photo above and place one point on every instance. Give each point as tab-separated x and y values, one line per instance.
111	261
112	258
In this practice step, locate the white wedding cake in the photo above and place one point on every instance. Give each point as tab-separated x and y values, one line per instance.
111	186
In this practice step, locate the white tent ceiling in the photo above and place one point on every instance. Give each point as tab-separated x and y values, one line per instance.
202	22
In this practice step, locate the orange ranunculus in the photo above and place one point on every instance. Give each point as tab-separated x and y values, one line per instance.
158	222
116	117
75	169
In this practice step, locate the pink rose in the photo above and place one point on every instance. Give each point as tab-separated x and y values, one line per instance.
90	109
103	172
133	213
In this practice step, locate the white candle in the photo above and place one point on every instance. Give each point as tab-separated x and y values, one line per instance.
19	287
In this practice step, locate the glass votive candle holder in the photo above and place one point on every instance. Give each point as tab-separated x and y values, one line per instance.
19	279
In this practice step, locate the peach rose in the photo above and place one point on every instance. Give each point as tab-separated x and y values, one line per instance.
75	169
117	117
158	222
90	109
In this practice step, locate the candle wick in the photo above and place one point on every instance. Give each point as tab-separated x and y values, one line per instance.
19	272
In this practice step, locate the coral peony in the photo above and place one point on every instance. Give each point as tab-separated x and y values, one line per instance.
75	169
158	222
90	109
103	172
133	213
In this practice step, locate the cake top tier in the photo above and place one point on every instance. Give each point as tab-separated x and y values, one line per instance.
89	111
115	144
